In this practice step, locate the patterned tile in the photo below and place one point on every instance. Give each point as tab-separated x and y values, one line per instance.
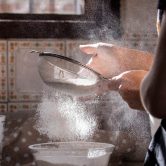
3	108
72	50
138	21
142	42
25	83
3	71
26	107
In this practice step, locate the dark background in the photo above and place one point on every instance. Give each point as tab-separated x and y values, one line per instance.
98	14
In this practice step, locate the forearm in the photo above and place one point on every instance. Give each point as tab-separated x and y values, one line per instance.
153	89
139	60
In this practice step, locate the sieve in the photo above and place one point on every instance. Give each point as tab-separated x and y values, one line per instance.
66	73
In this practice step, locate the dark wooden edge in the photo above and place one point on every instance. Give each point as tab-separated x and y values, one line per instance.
38	29
98	13
9	16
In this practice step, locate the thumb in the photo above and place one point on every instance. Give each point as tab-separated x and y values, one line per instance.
89	48
114	83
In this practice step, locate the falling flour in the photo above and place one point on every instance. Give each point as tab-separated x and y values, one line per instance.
81	82
62	117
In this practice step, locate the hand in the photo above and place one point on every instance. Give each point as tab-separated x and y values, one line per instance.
128	86
111	60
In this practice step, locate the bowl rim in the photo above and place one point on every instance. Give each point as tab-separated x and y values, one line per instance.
106	146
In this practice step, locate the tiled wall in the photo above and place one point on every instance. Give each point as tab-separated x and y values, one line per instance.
138	20
20	84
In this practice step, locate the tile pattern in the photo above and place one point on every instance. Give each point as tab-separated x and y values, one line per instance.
3	71
22	106
3	108
139	25
146	42
138	16
64	7
19	59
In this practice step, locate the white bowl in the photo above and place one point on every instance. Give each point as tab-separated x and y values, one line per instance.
72	153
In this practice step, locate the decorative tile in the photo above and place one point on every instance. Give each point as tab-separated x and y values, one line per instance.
3	71
139	31
3	107
73	51
16	107
24	81
14	6
59	7
142	42
135	16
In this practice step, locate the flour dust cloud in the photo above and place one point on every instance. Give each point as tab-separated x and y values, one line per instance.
63	117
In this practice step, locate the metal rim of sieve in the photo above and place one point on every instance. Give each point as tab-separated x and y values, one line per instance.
42	54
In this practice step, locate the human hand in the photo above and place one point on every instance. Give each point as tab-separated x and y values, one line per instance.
111	60
128	86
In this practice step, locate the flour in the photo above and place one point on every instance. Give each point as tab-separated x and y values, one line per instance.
63	117
81	82
75	87
96	153
77	82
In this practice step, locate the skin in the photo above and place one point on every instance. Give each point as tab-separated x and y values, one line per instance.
111	60
153	87
128	68
128	84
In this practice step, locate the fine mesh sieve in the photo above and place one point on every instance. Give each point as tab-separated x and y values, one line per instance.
67	74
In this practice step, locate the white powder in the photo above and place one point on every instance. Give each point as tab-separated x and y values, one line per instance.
82	82
61	117
96	153
76	87
77	82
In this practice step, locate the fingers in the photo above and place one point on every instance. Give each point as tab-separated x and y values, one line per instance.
131	97
94	48
108	85
114	83
90	49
